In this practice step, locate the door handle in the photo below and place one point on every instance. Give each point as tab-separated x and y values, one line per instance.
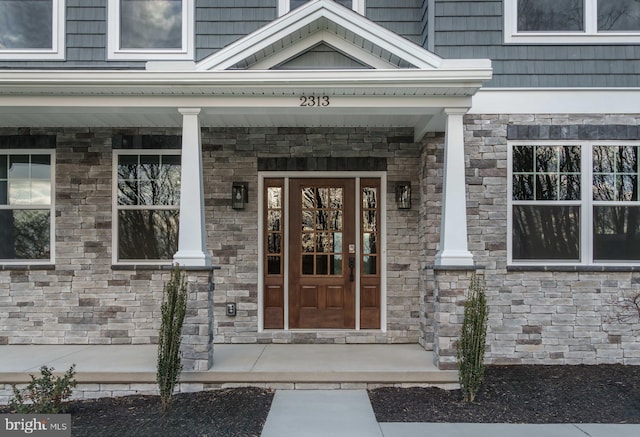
352	264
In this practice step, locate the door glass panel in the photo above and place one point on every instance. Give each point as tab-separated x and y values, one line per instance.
369	221
275	220
335	223
308	198
275	230
322	223
308	222
336	198
337	242
322	267
307	243
369	227
369	198
273	265
324	243
322	198
274	198
321	233
307	264
369	265
369	244
336	264
275	243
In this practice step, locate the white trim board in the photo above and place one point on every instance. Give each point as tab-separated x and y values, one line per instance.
556	101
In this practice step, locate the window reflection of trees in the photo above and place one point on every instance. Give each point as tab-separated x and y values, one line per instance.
147	234
618	15
322	223
546	232
546	173
616	228
550	15
148	180
25	218
24	234
552	174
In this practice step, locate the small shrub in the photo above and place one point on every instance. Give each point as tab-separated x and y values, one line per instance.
174	308
44	395
471	345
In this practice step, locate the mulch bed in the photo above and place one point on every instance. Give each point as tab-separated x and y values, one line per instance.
523	394
238	412
510	394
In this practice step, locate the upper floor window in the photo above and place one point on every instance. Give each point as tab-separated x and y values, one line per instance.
26	206
147	203
32	29
572	21
574	203
151	29
285	6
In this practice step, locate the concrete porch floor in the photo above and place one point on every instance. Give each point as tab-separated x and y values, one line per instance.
275	364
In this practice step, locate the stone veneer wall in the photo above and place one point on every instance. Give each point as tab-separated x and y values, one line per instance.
231	155
84	300
537	316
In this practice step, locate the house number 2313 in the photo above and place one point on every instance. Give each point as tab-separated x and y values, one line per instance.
309	101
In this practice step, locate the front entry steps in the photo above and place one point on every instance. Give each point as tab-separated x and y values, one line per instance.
130	369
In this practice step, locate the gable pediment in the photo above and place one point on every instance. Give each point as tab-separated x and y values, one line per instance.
322	56
290	40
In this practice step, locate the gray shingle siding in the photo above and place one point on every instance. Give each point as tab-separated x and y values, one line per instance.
474	29
222	22
403	17
460	29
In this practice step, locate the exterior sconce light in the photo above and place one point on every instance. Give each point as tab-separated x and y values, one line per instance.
239	195
403	195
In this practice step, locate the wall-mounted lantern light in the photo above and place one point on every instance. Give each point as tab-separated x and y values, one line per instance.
239	195
403	195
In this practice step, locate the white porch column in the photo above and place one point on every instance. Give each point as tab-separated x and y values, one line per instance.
192	240
454	249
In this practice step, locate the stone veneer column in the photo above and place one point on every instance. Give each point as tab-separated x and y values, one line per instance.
453	223
451	285
197	331
192	246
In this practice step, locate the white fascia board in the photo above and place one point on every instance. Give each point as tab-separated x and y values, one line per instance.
59	81
307	14
556	101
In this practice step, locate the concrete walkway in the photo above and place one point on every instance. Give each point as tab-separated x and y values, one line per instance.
348	413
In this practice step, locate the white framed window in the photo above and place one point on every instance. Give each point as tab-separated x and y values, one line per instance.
151	29
27	208
574	203
147	205
285	6
32	29
571	21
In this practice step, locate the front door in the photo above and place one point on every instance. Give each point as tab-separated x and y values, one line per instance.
322	263
319	245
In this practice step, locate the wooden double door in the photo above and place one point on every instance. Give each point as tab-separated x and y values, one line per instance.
332	247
